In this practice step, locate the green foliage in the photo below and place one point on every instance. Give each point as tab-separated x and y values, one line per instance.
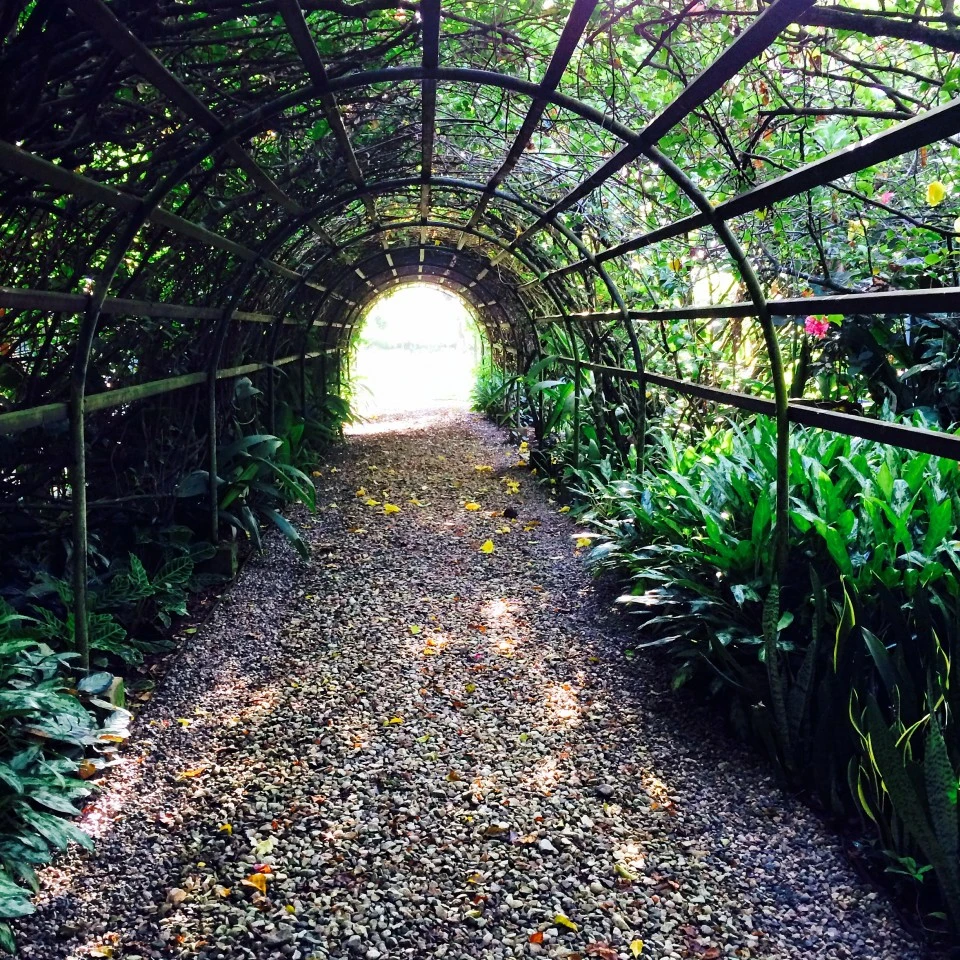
47	729
489	393
844	672
256	478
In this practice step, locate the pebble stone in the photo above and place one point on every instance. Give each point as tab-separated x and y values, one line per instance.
409	748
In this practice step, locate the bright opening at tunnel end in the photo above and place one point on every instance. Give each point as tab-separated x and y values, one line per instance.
417	349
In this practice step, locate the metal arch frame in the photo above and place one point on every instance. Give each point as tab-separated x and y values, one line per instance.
458	282
468	283
357	265
351	319
639	143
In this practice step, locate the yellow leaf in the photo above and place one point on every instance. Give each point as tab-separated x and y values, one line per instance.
190	774
361	492
524	446
483	468
370	502
565	921
936	193
470	687
184	722
101	951
290	908
258	881
636	947
393	720
564	510
222	891
583	542
622	871
226	828
475	878
487	546
415	502
389	508
415	628
318	473
503	529
87	770
111	737
471	505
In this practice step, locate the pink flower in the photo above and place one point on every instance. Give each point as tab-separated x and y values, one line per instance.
886	196
816	326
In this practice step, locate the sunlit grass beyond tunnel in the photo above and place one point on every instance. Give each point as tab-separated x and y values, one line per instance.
417	349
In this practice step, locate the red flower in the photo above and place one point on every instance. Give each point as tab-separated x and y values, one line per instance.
817	326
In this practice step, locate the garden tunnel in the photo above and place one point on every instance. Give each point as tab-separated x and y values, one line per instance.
197	192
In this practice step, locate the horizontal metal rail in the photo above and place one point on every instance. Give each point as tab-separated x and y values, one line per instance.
20	298
889	302
896	434
16	421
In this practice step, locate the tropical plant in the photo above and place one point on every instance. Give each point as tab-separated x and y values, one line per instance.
51	734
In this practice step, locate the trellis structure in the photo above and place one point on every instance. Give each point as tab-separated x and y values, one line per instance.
195	191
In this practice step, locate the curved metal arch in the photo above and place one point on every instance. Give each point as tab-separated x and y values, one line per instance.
396	225
469	281
466	279
351	318
457	283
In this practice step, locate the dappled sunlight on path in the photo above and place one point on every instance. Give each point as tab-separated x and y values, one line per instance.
412	748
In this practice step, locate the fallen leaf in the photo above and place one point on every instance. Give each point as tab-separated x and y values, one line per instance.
389	508
370	502
565	921
622	871
536	937
265	847
87	769
602	950
222	891
564	510
184	722
290	908
636	947
387	723
415	502
176	896
453	776
470	687
258	881
191	774
415	628
487	546
583	542
495	830
361	492
471	505
483	468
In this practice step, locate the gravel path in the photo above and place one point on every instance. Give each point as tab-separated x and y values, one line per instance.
412	748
